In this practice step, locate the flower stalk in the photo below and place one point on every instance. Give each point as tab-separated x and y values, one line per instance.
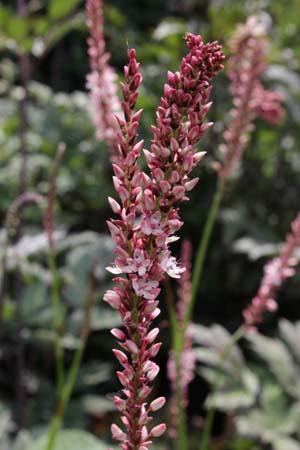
101	81
250	101
276	272
181	372
148	221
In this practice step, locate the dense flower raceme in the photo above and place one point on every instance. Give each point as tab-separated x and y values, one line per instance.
188	360
101	82
275	273
148	220
250	99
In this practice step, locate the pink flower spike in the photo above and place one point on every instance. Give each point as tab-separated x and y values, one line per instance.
148	218
250	100
276	272
101	82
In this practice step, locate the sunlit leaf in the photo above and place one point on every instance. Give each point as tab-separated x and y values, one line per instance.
59	9
72	440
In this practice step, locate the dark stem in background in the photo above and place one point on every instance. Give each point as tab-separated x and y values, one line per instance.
64	384
58	309
24	66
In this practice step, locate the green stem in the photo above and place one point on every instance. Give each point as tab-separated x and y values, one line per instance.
57	419
179	333
182	428
57	323
68	386
202	250
54	428
212	410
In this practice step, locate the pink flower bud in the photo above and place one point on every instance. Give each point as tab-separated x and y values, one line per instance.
122	378
117	433
154	349
149	200
132	347
120	403
112	298
157	404
198	156
271	305
152	335
158	430
114	205
164	186
189	185
118	171
178	192
121	357
119	334
152	374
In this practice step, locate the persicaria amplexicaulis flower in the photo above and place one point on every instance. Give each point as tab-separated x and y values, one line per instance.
101	82
147	221
250	99
276	272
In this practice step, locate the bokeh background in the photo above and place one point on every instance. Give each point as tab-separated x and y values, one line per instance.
47	52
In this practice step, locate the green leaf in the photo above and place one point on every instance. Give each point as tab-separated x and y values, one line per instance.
58	31
279	360
17	28
286	444
59	8
72	440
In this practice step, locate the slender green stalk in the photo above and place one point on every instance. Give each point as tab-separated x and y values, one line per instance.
58	319
182	443
178	333
182	432
169	297
58	309
212	409
67	388
202	250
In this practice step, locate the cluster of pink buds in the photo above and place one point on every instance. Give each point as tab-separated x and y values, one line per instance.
188	360
147	223
101	82
250	99
275	273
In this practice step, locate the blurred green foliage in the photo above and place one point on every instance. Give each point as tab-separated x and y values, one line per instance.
263	395
256	212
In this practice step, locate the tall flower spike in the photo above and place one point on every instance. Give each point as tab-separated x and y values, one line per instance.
148	219
275	273
101	82
250	99
188	360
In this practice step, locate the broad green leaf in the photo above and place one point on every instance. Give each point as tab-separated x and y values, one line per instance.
275	353
59	8
97	405
230	401
286	444
290	333
72	440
